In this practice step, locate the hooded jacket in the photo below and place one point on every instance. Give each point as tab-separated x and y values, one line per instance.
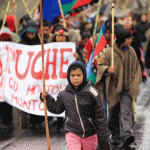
13	36
84	110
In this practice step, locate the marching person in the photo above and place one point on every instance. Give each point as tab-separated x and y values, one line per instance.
142	27
30	37
84	111
61	35
6	117
46	31
80	45
136	43
122	87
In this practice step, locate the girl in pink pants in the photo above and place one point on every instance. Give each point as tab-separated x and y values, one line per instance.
84	111
75	142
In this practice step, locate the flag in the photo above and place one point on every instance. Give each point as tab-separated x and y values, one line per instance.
101	42
51	10
100	45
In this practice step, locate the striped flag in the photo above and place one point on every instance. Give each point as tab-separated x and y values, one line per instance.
100	45
51	10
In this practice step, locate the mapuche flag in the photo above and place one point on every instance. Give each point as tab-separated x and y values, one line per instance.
51	10
100	46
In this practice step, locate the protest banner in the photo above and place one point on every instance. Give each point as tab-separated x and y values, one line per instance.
21	73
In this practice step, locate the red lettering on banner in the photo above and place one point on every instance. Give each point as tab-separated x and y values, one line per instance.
13	84
18	53
12	52
34	101
32	90
55	88
62	74
41	109
1	82
15	98
36	75
25	104
8	58
48	87
39	88
54	75
1	67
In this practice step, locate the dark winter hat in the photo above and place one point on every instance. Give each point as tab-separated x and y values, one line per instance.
76	64
31	26
85	35
121	35
24	18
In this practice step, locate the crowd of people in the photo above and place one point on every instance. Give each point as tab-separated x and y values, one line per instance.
119	84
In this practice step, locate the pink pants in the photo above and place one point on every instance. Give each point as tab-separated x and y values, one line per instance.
75	142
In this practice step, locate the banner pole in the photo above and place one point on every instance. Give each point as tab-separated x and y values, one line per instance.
62	13
96	21
35	6
112	36
27	8
7	9
15	14
43	76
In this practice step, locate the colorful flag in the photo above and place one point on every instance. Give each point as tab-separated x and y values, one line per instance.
101	42
100	45
51	10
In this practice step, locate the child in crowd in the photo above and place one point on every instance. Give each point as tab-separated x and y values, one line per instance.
84	111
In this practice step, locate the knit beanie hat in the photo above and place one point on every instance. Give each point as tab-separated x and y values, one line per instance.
77	64
24	18
10	19
121	35
31	26
85	34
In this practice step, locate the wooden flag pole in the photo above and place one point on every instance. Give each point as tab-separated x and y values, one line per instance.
96	21
27	8
35	6
43	76
7	9
112	36
62	13
15	14
134	111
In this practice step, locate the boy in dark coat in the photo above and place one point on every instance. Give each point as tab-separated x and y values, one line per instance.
84	111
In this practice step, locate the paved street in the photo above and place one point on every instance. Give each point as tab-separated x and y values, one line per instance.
25	140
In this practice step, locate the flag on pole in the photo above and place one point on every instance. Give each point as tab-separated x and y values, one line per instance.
51	10
100	46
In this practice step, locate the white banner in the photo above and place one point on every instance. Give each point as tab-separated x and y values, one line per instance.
21	73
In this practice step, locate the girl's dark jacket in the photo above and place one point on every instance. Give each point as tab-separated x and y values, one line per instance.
84	112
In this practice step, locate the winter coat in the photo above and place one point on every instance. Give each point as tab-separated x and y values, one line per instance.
136	44
14	36
147	35
127	76
147	55
84	111
142	27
